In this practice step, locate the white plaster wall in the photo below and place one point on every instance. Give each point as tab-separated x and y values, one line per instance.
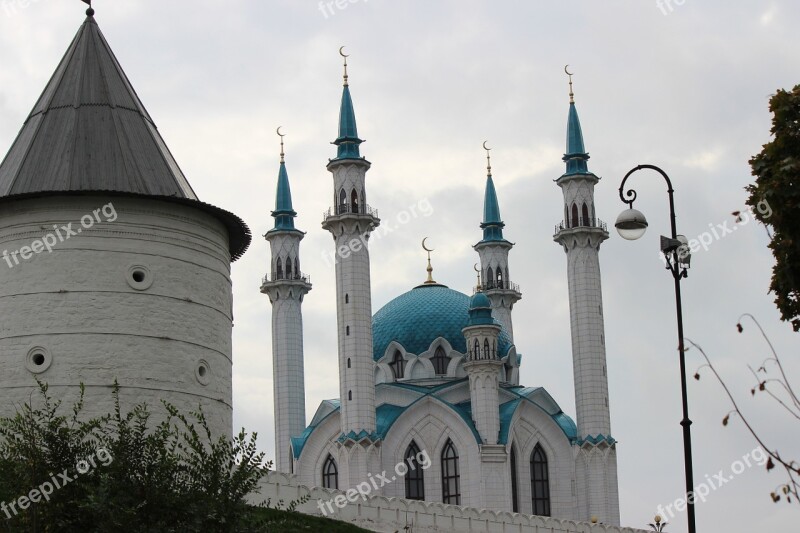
77	304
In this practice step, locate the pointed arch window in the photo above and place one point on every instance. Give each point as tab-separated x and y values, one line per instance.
476	349
574	216
585	214
540	482
288	268
342	202
354	202
489	278
487	351
514	489
279	269
499	277
440	362
451	491
415	481
330	473
398	365
297	267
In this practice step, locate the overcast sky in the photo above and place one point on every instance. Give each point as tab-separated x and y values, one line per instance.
685	87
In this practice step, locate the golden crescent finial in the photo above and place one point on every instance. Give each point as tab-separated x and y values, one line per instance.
429	250
430	268
345	56
281	135
488	159
475	267
571	94
477	270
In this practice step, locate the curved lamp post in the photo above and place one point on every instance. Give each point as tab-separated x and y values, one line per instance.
631	225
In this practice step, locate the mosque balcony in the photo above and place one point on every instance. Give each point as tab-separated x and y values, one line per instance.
483	354
283	277
502	285
581	222
350	209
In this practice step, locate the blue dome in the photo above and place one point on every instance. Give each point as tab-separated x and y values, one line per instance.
479	300
418	317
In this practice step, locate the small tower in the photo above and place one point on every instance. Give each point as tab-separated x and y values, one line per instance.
286	286
350	222
493	250
483	367
581	234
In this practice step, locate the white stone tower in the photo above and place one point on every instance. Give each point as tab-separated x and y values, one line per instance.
350	222
493	250
118	271
286	286
483	368
581	234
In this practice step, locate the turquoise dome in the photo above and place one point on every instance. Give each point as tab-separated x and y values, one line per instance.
418	317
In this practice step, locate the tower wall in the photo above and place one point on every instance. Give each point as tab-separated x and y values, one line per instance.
144	299
286	291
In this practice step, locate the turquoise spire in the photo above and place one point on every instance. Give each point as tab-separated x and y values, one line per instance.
347	142
492	225
283	214
576	155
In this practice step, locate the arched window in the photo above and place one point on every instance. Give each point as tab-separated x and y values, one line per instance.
354	202
398	365
489	278
540	482
585	213
415	482
440	361
487	352
499	278
476	349
514	490
279	269
574	216
288	268
451	493
342	208
363	200
330	474
297	267
349	395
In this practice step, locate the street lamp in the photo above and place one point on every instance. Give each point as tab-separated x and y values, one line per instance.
631	225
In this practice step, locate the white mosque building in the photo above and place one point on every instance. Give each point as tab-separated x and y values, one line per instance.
436	370
144	298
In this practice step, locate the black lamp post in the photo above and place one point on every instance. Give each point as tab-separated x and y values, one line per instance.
631	224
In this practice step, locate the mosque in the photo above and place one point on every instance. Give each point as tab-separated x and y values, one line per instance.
145	298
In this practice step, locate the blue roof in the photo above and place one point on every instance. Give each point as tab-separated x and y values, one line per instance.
347	142
492	224
480	310
418	317
283	214
576	155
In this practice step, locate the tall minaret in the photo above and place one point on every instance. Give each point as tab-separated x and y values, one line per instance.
580	234
350	222
286	286
493	250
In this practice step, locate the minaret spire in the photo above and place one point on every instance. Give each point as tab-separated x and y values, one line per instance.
493	250
286	286
284	214
580	235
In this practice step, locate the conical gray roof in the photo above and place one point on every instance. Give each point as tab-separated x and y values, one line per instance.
89	132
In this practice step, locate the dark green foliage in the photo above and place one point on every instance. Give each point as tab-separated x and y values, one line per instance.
777	171
174	477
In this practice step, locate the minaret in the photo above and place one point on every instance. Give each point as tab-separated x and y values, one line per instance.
483	368
493	250
286	286
350	222
581	234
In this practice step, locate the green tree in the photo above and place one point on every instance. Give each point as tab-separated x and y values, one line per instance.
777	186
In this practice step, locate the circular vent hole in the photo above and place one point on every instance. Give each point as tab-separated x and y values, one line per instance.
138	276
202	371
38	359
